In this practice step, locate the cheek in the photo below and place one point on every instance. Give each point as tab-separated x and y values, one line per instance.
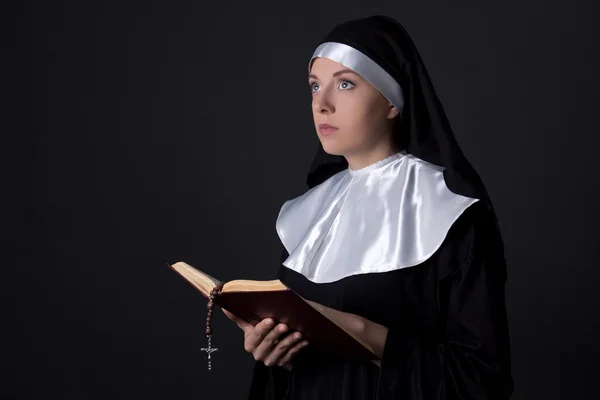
361	113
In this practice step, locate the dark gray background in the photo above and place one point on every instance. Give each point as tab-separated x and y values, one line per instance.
166	131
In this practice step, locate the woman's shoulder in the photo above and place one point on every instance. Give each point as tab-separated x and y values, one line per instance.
319	191
477	232
416	161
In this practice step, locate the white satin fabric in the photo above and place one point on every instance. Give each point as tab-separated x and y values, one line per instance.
389	215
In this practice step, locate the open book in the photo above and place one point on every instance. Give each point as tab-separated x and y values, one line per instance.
253	301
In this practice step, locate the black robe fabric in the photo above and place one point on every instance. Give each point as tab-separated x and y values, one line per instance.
448	335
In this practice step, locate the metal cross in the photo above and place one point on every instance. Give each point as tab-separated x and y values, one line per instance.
209	350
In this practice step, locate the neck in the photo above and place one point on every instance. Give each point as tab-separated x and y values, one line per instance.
363	159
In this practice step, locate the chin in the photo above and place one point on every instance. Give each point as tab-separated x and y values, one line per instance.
332	149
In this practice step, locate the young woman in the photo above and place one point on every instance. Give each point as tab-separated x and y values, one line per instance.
396	233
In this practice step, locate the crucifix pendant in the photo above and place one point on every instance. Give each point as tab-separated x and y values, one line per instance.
209	350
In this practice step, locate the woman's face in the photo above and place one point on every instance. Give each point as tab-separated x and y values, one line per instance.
359	113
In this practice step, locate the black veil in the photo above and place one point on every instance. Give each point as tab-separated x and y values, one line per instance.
422	129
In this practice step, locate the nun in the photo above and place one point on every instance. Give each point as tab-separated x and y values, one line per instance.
396	233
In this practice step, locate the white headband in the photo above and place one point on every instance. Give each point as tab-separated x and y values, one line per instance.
365	67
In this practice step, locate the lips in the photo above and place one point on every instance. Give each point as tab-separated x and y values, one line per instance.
326	129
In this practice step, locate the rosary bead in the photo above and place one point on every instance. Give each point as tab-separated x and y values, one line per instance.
211	304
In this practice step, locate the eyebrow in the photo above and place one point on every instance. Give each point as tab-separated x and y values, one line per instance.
342	71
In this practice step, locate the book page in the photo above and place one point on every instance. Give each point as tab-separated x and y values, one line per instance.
203	282
241	285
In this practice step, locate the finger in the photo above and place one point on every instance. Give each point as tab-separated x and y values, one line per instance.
229	315
254	336
246	327
281	348
291	353
266	345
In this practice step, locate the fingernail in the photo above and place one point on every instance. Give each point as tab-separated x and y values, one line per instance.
297	336
282	328
269	322
304	344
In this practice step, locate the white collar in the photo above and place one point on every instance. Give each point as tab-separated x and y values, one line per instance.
389	215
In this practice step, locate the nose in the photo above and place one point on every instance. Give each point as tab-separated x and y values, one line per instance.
323	102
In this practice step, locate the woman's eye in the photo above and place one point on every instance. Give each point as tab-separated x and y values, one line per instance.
345	84
314	87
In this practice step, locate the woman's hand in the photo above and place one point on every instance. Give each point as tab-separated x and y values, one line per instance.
263	342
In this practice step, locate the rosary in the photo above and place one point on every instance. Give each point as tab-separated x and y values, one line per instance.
214	293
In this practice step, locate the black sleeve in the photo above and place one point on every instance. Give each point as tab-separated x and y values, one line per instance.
268	383
471	358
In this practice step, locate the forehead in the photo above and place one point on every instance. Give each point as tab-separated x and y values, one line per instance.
324	67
